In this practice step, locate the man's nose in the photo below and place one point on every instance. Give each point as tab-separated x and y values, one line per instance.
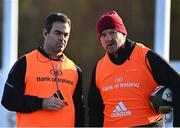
108	37
61	37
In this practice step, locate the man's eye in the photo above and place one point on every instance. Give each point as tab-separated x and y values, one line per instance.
66	34
102	35
58	33
112	33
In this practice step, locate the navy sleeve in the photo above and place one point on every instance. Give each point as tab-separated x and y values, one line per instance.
13	97
95	104
78	101
165	75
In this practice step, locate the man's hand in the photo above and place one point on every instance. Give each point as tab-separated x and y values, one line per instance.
53	103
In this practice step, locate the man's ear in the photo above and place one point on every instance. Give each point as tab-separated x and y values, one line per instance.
44	32
124	36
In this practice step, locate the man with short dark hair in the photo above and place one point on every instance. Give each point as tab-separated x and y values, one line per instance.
44	87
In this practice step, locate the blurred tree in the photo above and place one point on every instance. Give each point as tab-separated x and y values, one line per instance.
175	38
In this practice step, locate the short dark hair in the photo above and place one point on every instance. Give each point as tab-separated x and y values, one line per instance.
56	17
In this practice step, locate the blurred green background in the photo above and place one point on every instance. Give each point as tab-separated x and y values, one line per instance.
83	47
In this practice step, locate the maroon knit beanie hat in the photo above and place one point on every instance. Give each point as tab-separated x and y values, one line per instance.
110	20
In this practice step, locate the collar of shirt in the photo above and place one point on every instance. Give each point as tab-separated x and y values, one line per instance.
60	56
123	52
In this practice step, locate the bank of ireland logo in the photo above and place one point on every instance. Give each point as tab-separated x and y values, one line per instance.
120	110
55	72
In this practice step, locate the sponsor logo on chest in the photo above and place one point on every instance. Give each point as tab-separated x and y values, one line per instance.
120	110
119	83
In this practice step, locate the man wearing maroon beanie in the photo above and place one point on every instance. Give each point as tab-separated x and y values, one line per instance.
123	80
110	20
